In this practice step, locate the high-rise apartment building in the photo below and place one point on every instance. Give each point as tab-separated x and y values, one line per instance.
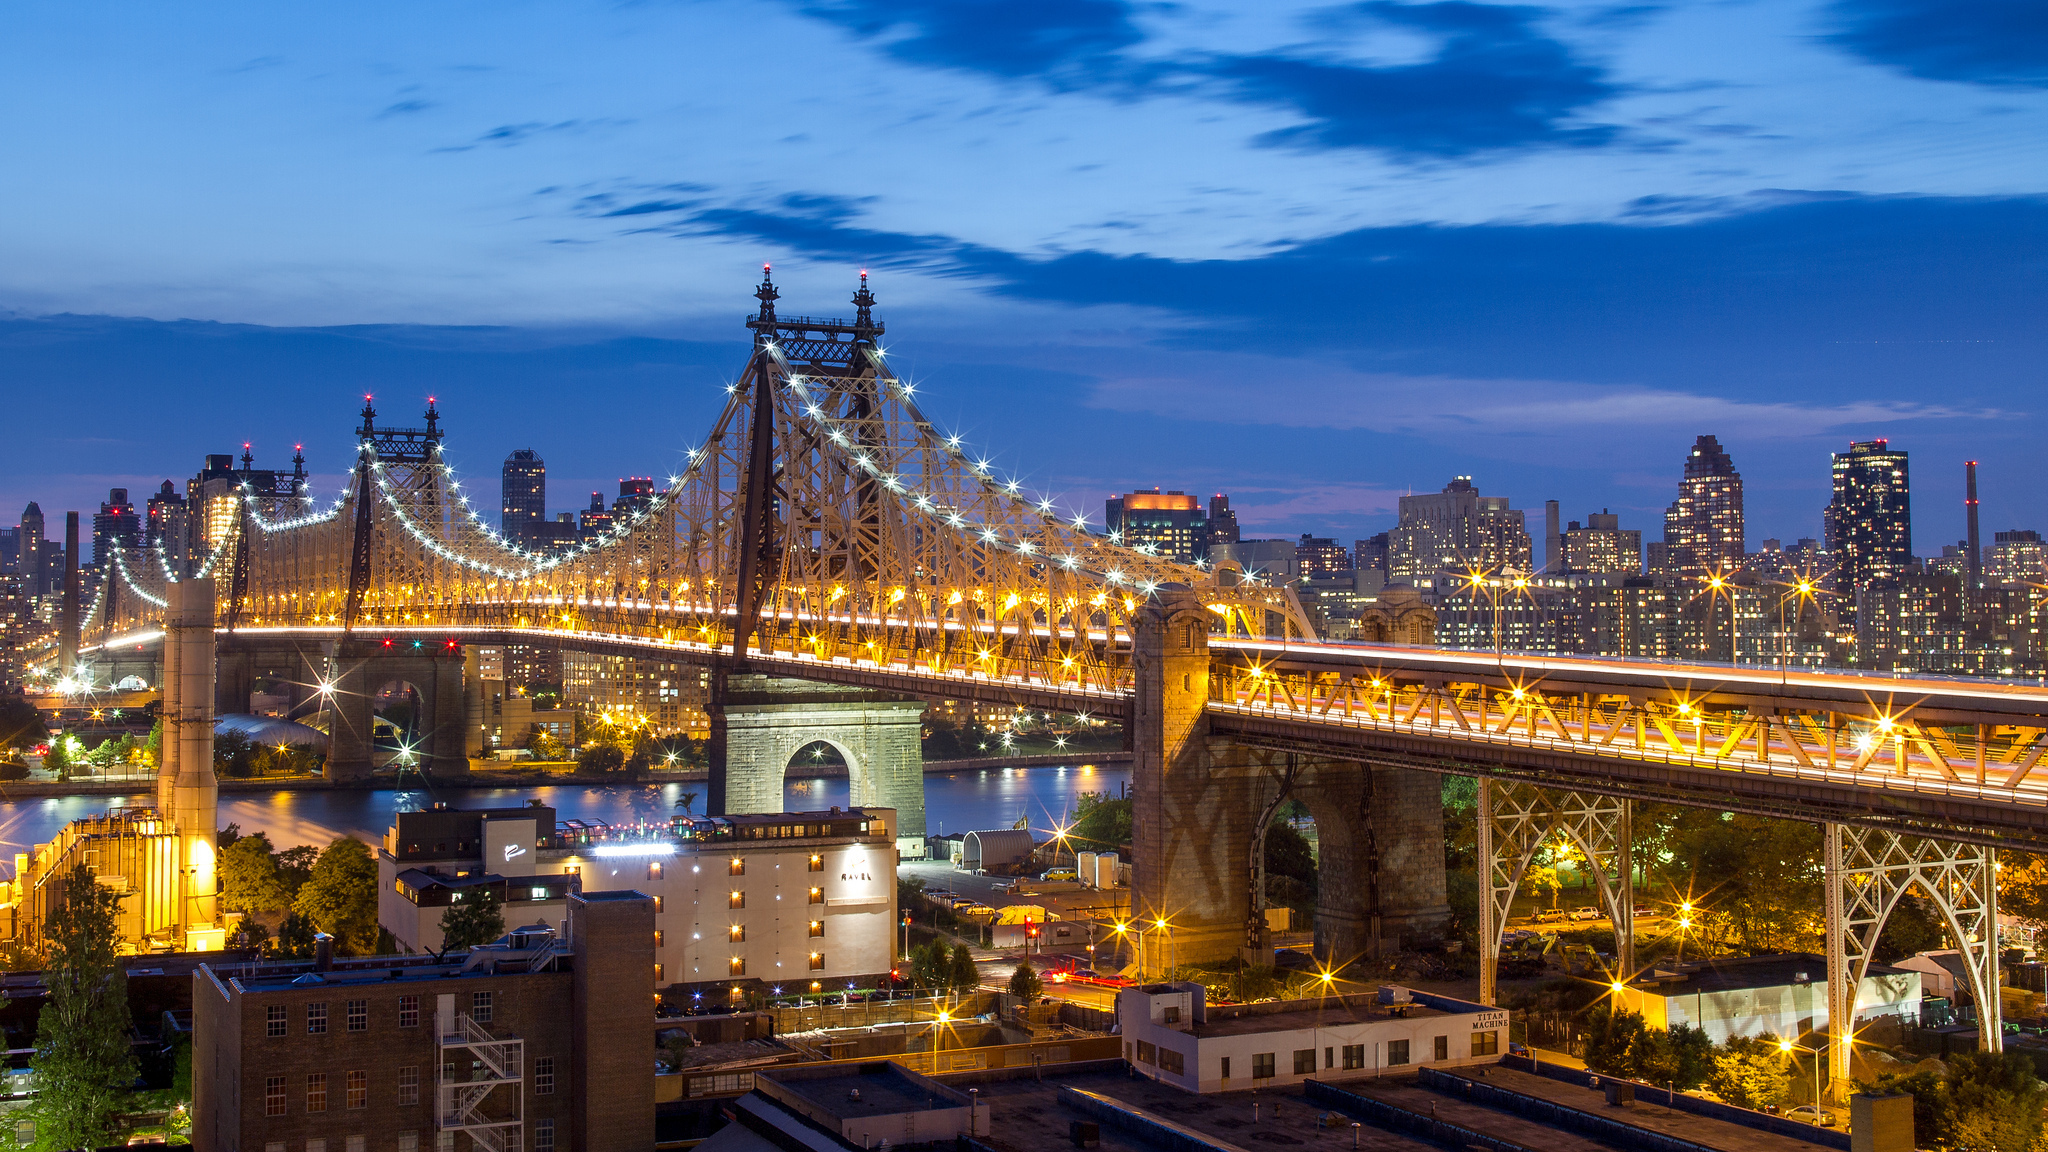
1703	531
1602	546
1171	523
594	520
636	495
115	525
2017	557
1321	556
523	491
1456	530
167	527
1370	554
1870	521
34	551
1912	621
1222	521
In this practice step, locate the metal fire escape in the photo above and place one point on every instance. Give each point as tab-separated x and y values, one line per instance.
475	1064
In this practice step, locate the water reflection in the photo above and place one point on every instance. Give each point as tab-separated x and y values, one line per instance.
955	802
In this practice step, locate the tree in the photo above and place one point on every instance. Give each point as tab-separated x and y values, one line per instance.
1750	1072
295	867
84	1066
295	936
1025	982
58	758
931	966
1986	1103
963	975
544	746
686	801
605	758
1615	1041
21	726
1101	821
340	897
249	877
476	917
233	754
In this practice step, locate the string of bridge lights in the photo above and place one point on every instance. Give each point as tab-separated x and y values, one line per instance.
128	578
984	533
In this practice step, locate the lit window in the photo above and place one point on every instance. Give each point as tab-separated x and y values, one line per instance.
817	862
817	928
738	867
737	933
738	967
359	1089
817	895
817	961
737	900
316	1092
273	1096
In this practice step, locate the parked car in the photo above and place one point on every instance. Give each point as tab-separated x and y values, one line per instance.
1550	915
1812	1114
1580	915
1060	874
1645	912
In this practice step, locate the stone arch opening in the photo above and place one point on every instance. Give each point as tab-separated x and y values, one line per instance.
819	775
398	719
771	722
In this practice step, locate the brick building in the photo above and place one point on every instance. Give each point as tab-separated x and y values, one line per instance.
533	1044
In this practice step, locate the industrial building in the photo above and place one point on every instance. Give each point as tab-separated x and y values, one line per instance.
1785	995
1172	1035
539	1042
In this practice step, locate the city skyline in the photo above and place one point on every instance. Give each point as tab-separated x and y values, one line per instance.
1315	257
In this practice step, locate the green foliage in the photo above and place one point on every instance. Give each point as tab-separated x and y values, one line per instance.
1760	877
544	746
1025	982
1101	821
963	975
340	896
688	800
84	1066
249	876
1290	870
58	759
295	867
234	755
12	766
1986	1103
1911	928
21	726
1750	1072
945	739
476	917
605	758
154	746
1620	1044
295	937
931	965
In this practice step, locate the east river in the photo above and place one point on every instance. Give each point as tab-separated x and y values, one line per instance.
954	802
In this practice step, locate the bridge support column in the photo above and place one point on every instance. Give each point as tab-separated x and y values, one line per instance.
766	720
1380	863
1194	812
188	793
1867	871
350	713
1515	820
362	668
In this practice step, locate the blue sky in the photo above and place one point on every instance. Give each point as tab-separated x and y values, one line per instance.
1313	255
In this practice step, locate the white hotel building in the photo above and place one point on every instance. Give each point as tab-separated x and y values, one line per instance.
789	901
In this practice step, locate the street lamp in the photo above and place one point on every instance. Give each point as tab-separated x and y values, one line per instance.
1160	925
1787	1047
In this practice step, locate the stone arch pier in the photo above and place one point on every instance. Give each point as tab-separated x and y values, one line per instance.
760	722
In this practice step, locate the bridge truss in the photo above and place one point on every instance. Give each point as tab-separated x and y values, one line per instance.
826	530
824	518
